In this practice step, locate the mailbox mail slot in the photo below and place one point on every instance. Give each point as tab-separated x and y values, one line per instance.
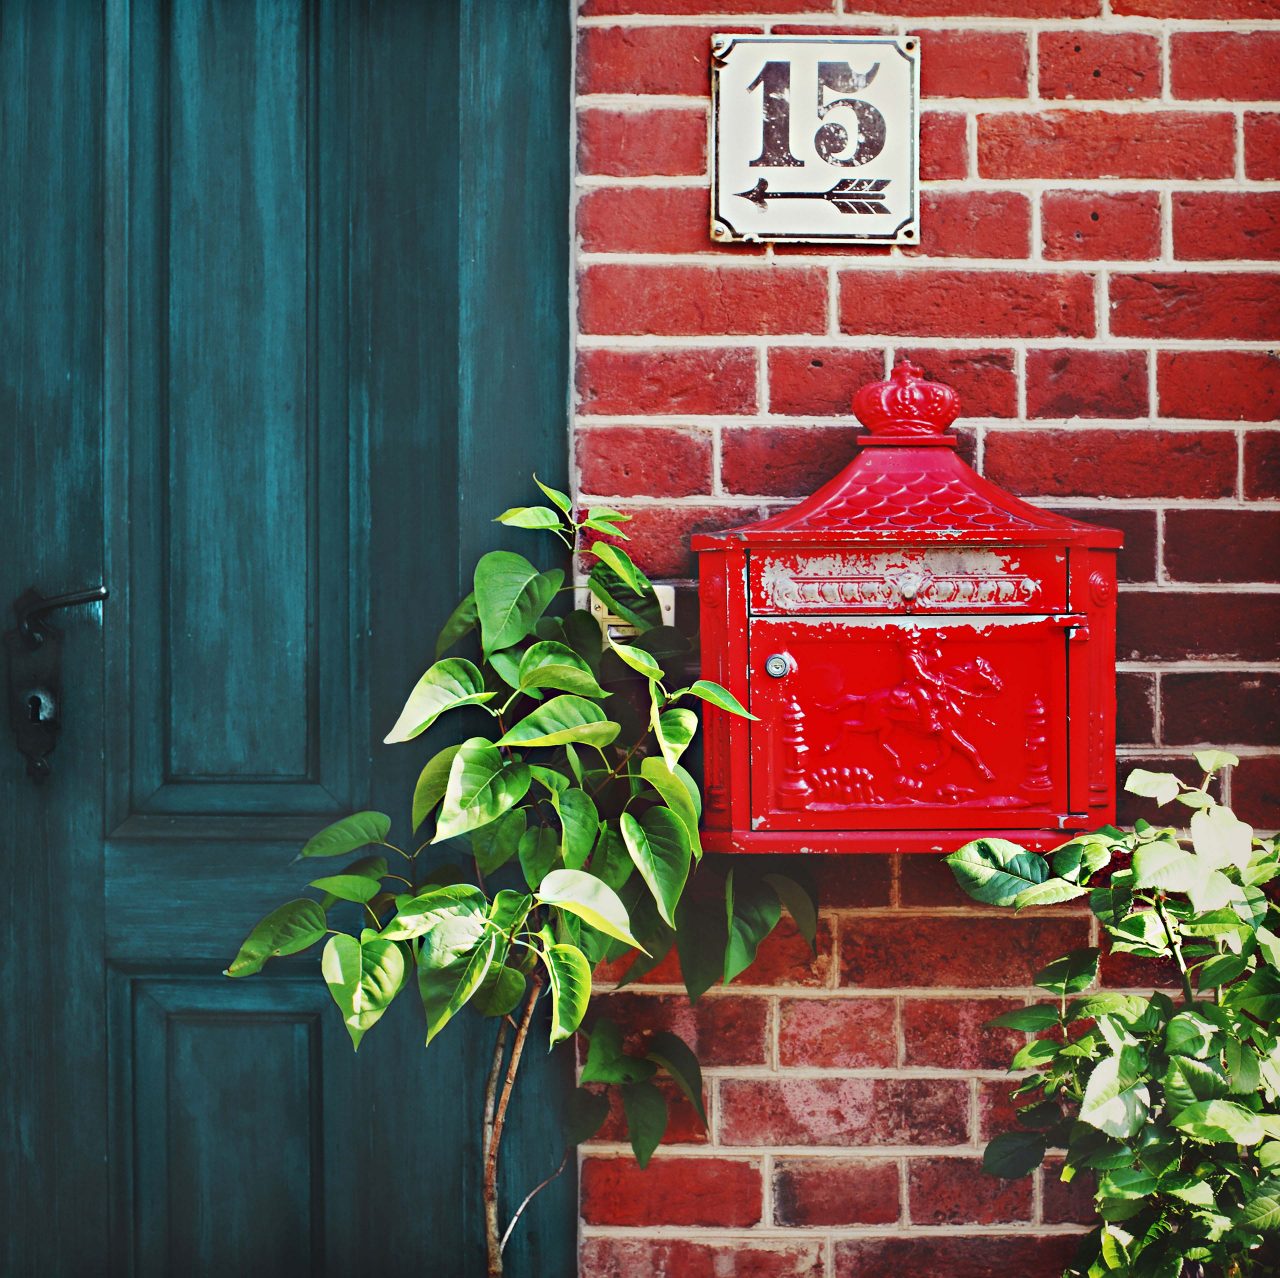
928	657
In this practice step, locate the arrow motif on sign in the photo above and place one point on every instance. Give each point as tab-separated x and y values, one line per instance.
852	195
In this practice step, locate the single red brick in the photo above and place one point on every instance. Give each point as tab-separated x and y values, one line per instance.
1262	464
846	1033
997	1111
1243	66
852	882
1070	1203
1255	792
1226	224
844	1111
644	219
1206	545
671	1191
985	380
783	461
1165	625
1204	304
1199	10
722	1029
951	1033
684	1127
927	881
973	64
956	1191
1219	385
666	382
643	461
978	951
1100	225
1097	65
966	303
1105	144
944	145
784	957
1261	144
974	224
954	1257
1221	707
664	141
819	381
660	534
1135	708
1112	463
1081	383
744	1257
647	59
980	8
1138	558
715	300
615	8
835	1191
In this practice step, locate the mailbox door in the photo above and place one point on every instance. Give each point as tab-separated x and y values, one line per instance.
909	722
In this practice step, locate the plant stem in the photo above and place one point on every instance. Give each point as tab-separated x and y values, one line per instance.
495	1120
1177	952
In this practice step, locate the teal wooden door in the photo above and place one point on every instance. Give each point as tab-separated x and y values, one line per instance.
282	325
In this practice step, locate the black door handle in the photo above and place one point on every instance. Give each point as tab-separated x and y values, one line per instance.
35	674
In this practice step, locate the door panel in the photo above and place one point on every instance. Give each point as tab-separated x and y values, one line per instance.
272	359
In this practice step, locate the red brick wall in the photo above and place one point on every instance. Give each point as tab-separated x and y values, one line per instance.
1097	277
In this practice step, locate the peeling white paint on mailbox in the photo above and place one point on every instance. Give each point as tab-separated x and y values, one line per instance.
815	138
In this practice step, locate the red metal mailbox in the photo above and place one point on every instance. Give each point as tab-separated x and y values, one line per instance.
930	659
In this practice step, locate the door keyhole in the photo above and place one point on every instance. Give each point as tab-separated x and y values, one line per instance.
39	706
33	708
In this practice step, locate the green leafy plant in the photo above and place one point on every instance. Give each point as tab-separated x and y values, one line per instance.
564	781
1172	1103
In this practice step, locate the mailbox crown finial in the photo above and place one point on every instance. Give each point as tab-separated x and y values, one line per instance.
906	405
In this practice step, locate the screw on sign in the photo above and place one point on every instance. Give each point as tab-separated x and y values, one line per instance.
792	116
928	658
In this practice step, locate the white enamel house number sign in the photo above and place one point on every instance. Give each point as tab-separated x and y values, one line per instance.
816	139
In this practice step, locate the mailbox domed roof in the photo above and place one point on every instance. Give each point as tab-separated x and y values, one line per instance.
908	483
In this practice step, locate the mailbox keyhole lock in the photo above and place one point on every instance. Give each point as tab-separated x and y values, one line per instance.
777	665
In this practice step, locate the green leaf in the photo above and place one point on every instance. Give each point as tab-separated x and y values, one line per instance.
1166	866
286	930
448	978
1220	1121
352	832
642	611
1050	892
1187	1081
481	787
585	1115
501	991
674	730
431	785
1071	973
570	980
752	911
608	515
1262	1208
659	848
675	1056
1221	839
493	845
462	620
701	940
1220	970
605	526
646	1111
450	683
620	562
1014	1154
1116	1099
1033	1019
1194	799
1032	1055
554	665
539	851
511	594
607	1062
799	904
584	895
458	907
363	977
1160	786
675	794
1189	1034
560	720
1215	760
638	659
348	887
611	862
996	871
529	517
715	695
559	499
580	822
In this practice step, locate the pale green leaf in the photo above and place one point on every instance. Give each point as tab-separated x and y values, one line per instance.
1262	1209
1187	1081
355	831
715	695
558	721
675	794
996	871
1221	839
1051	892
348	887
459	908
286	930
659	847
579	823
1116	1099
620	562
638	659
1168	867
591	900
363	977
1071	973
560	500
1220	1121
529	517
1215	760
569	976
674	730
481	787
433	780
1160	786
447	986
555	665
511	594
450	683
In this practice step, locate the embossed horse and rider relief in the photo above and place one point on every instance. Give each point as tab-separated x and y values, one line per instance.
928	657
